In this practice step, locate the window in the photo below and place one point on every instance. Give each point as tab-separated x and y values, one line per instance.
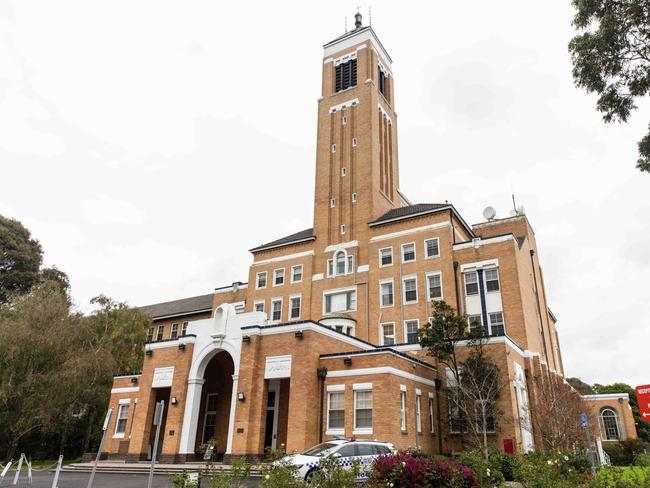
296	273
386	257
492	279
260	281
336	411
489	417
609	425
295	308
471	283
386	292
348	450
344	120
411	328
333	148
431	425
496	324
122	417
350	264
475	324
150	334
354	142
259	306
276	309
408	252
456	422
332	203
184	328
330	267
341	302
174	331
418	412
210	418
410	290
278	277
346	75
434	285
363	410
388	334
160	332
381	81
340	263
342	228
432	248
354	198
349	330
344	171
402	409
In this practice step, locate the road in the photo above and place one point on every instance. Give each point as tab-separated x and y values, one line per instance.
102	480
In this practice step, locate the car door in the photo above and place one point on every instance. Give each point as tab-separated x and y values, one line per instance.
366	454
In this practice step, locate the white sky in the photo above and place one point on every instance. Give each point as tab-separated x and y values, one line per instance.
149	144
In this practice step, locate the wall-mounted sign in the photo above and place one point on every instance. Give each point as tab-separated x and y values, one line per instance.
643	397
162	377
277	367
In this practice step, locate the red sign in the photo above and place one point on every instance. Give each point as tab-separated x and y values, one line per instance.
643	397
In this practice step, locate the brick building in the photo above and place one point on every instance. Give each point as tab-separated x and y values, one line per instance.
322	340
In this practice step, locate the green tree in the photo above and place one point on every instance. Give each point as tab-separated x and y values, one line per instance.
475	385
580	386
611	57
642	428
20	258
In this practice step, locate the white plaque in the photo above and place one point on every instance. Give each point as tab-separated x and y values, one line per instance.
277	367
162	377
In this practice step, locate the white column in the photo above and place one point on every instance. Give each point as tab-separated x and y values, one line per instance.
191	415
233	407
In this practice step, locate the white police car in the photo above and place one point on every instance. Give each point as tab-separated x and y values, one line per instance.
346	451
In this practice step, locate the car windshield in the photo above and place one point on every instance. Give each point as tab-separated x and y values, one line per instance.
319	449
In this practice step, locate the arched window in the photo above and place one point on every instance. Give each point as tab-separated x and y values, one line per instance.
609	425
340	263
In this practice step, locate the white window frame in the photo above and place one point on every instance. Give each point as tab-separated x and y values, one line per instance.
426	252
402	407
293	268
417	295
275	271
348	264
426	276
432	426
257	280
342	229
480	321
363	388
335	390
336	291
173	331
160	333
208	412
123	404
603	428
503	320
392	257
354	197
271	319
333	148
344	171
498	280
415	255
291	298
478	283
332	202
381	300
184	328
150	334
259	302
383	336
406	331
354	142
418	411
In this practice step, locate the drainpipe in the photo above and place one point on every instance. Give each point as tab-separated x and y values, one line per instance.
438	419
322	374
539	310
457	290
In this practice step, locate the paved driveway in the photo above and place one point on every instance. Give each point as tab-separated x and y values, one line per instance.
102	480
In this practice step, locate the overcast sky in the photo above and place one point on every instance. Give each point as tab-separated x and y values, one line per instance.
149	144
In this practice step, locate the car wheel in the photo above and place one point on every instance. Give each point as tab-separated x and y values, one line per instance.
309	477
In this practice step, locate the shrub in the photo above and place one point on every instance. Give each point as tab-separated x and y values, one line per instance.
488	473
404	470
331	474
552	470
181	480
623	453
508	464
623	477
236	476
280	475
642	460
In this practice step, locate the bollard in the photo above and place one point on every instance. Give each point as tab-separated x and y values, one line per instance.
157	420
101	444
58	470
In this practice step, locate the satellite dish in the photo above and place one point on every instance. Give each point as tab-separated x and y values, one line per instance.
489	213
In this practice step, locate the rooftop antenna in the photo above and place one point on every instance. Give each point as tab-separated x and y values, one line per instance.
369	15
346	25
357	19
514	205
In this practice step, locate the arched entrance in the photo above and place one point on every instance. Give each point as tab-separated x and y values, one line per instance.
215	403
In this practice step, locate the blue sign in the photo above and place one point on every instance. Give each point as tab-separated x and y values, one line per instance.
584	420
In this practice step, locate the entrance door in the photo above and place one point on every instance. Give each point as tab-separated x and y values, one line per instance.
271	424
161	394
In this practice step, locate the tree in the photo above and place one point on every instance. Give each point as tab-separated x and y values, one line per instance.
475	383
642	428
580	386
555	413
611	57
20	258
